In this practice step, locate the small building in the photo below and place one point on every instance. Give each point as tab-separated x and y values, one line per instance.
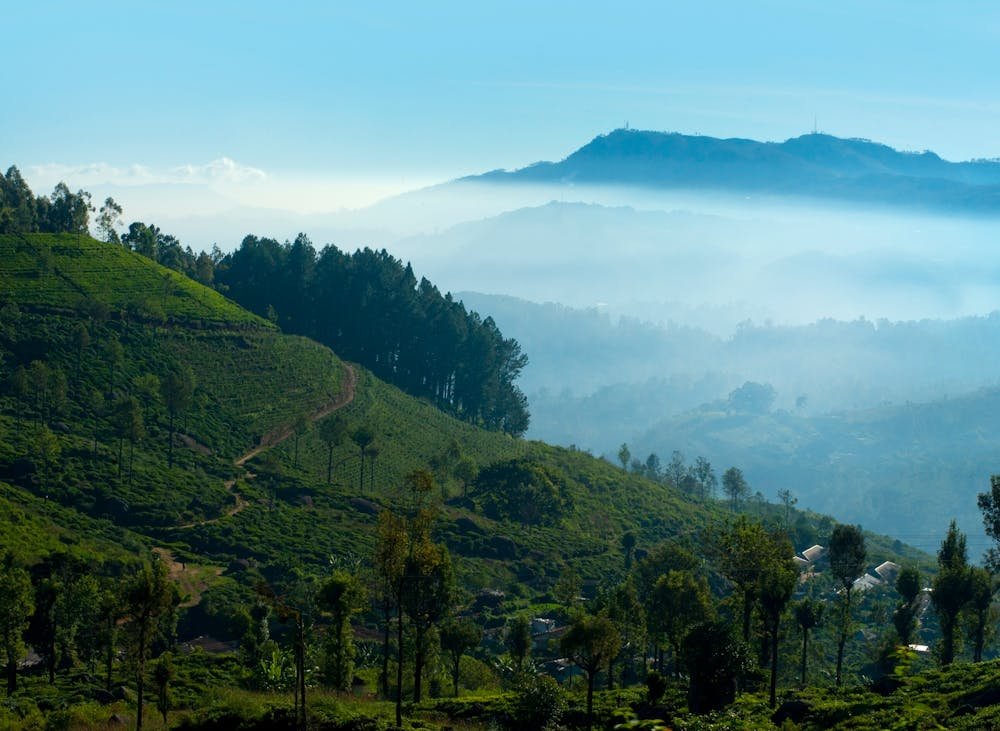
866	582
814	553
888	571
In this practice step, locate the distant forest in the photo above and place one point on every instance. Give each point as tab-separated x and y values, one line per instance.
367	306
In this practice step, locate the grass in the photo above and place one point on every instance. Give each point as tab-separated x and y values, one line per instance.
69	272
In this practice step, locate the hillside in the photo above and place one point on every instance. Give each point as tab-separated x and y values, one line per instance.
252	380
815	165
907	468
78	477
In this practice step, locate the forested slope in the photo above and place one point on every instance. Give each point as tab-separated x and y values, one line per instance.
121	425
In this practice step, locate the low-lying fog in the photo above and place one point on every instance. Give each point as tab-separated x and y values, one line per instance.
711	260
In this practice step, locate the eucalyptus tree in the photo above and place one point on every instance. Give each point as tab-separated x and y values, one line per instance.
775	586
332	432
952	588
847	563
16	607
808	615
979	608
590	642
517	639
150	599
458	636
176	389
362	438
905	617
342	596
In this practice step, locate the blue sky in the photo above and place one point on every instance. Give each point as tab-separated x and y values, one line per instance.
369	97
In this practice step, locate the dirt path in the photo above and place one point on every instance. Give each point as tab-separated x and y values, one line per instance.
191	579
276	437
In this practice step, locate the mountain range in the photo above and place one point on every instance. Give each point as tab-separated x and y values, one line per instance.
815	165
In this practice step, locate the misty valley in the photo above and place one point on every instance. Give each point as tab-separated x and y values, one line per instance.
677	432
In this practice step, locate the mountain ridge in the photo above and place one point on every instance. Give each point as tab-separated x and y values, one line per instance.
812	165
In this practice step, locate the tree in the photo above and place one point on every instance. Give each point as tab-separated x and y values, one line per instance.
427	599
567	589
458	635
626	611
808	615
705	476
789	501
716	661
847	563
343	596
108	219
372	450
591	642
332	432
904	618
677	469
176	390
16	607
776	584
362	438
163	673
523	490
390	563
628	541
753	398
742	549
735	486
95	405
681	601
952	588
466	471
653	469
518	640
980	602
130	424
150	599
67	213
46	450
65	596
624	456
989	504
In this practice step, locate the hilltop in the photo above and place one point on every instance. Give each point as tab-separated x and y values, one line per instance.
814	165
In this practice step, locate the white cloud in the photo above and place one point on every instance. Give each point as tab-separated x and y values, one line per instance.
223	171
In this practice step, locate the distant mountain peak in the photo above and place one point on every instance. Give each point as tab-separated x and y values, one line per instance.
815	164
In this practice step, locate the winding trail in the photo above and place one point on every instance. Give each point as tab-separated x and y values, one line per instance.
275	437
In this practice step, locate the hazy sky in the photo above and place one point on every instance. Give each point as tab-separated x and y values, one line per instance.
318	105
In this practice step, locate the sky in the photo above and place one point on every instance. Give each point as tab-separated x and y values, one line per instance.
318	106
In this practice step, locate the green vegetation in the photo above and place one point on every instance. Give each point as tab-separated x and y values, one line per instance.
277	488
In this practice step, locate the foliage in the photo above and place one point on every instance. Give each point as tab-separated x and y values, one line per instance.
370	307
522	490
716	661
537	702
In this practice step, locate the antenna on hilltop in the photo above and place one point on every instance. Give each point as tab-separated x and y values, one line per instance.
626	124
814	124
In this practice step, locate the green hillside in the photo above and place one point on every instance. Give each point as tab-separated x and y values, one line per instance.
68	272
246	502
908	468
